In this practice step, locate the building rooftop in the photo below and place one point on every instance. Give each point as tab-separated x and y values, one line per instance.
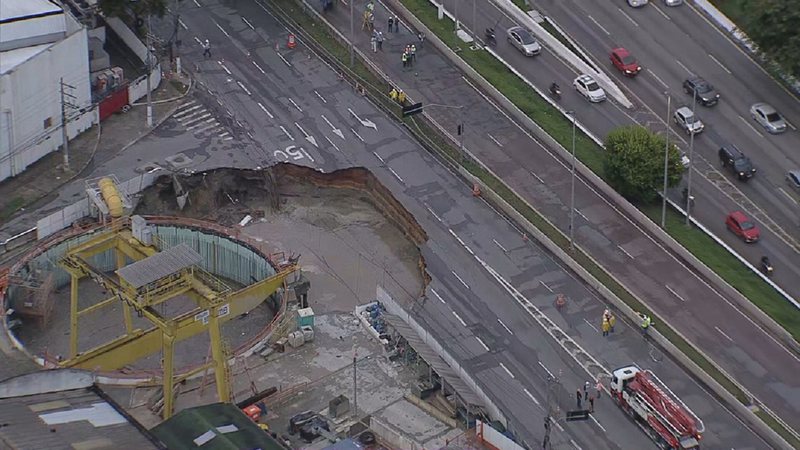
162	264
11	10
212	427
13	58
63	409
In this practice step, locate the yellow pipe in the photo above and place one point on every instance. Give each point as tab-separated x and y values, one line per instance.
111	195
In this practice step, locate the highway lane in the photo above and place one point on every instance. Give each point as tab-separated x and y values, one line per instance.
599	26
457	224
692	306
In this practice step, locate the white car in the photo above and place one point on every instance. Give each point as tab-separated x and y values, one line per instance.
687	120
636	3
586	86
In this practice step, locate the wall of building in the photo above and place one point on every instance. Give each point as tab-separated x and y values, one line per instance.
30	105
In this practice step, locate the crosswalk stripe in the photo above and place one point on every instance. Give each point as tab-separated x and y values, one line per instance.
196	119
193	114
187	111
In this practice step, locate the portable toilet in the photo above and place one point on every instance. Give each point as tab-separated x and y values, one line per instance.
305	318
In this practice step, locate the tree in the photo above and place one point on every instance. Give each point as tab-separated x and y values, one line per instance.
774	26
135	9
634	163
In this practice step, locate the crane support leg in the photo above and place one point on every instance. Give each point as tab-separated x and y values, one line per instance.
168	348
126	309
219	356
73	316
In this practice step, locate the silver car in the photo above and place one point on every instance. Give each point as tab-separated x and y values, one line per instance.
523	40
687	120
673	2
636	3
768	117
793	179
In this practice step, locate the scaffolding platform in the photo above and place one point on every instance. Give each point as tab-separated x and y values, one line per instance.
159	266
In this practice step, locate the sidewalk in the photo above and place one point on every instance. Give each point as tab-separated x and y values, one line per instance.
101	142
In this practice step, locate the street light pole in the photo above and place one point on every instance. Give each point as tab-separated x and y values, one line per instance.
352	34
149	120
572	188
666	166
691	164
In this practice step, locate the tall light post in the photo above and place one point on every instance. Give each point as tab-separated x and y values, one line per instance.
572	188
666	166
691	164
149	118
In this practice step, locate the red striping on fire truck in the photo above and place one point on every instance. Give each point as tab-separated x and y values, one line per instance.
656	409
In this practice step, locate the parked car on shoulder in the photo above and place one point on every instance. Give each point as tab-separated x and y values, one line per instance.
688	120
625	62
768	117
706	94
737	162
741	225
523	40
588	87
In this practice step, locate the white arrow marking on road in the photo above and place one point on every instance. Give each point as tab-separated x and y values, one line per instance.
365	122
309	138
336	131
264	108
286	133
295	104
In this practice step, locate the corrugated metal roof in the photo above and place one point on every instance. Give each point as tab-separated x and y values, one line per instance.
160	265
79	418
433	358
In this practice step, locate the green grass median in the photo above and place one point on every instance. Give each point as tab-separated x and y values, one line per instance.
517	91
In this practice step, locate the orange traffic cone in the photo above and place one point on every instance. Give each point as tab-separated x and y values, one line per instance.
291	43
476	190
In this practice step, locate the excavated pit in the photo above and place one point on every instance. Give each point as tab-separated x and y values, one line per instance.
350	231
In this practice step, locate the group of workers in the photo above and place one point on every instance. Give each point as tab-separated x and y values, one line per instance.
609	320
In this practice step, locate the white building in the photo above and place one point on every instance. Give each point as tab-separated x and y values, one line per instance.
39	46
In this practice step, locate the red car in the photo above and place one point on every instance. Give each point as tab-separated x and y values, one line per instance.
625	62
742	226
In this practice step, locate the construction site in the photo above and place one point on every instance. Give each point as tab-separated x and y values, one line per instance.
252	288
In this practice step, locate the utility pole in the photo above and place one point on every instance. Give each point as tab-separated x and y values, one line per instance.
666	166
552	410
691	164
461	132
149	121
64	120
355	378
177	40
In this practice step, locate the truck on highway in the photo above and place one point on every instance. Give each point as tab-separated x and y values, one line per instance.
656	409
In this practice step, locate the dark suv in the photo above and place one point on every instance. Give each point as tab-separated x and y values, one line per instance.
706	94
739	164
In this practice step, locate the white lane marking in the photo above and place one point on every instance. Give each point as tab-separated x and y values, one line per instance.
224	68
558	425
550	374
684	67
572	441
459	318
719	63
222	135
295	104
581	214
198	40
197	3
334	145
599	26
483	344
495	140
536	176
545	286
306	154
244	88
528	393
504	326
208	127
180	115
723	333
284	60
438	296
590	324
461	242
790	124
379	157
501	247
433	213
625	251
789	196
628	17
591	416
357	135
747	122
264	108
183	25
196	119
459	279
249	24
660	11
658	78
672	291
259	68
320	96
220	28
507	371
286	133
249	134
396	175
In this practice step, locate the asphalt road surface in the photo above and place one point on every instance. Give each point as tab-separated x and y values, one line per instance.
254	106
693	307
717	192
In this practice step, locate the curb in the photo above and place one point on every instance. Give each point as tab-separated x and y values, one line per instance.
171	99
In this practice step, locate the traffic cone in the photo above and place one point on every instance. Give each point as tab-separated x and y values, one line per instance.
291	43
476	190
